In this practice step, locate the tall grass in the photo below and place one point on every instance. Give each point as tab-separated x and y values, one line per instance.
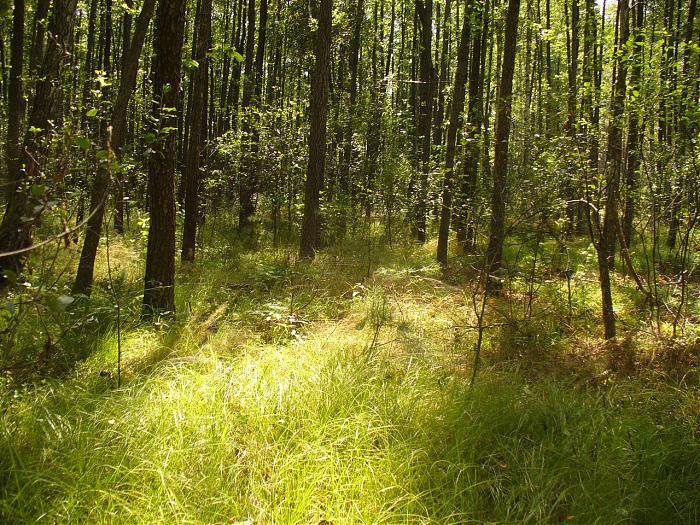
323	430
315	394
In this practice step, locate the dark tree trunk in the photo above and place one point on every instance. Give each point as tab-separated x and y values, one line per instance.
317	136
38	35
347	154
572	39
252	94
233	92
119	189
634	136
159	291
198	131
424	10
16	94
20	216
100	189
494	252
246	203
444	69
455	123
466	197
606	246
89	64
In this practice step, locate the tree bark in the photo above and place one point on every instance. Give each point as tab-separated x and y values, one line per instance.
635	131
494	252
317	136
252	94
606	246
100	189
455	123
424	10
159	291
20	216
198	132
16	93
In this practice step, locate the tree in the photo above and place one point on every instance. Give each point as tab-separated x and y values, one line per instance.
198	131
310	227
456	109
113	141
159	292
494	252
20	217
16	92
606	246
424	10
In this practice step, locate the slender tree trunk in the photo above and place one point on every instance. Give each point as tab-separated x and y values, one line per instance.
20	216
119	189
38	35
455	123
198	131
424	9
444	69
252	95
635	131
16	94
606	246
346	185
317	136
100	189
477	66
494	252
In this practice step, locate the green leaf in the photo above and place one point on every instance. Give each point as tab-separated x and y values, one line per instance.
38	191
82	142
190	64
91	113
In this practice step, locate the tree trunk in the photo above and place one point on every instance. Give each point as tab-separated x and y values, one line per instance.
635	131
606	246
424	10
345	182
100	189
494	252
20	216
444	69
317	136
464	226
456	109
16	93
38	36
198	131
252	94
159	291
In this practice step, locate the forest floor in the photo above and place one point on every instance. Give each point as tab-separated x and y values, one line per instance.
341	392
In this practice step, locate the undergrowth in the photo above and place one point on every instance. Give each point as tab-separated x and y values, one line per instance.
339	392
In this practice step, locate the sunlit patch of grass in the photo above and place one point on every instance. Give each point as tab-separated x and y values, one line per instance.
363	413
323	430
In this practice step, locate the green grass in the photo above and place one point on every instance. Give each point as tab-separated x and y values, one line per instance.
311	431
310	394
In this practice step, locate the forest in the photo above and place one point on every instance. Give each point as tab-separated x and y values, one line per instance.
334	261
